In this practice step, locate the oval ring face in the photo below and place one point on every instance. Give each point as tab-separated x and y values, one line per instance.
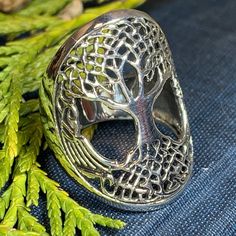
118	67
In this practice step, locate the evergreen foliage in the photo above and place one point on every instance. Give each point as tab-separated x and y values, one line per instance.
33	36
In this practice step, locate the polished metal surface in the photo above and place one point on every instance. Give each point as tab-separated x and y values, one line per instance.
119	66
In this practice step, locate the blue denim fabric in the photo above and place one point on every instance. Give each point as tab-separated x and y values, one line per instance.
202	37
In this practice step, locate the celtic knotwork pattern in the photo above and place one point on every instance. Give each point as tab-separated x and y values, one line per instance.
161	172
100	61
123	65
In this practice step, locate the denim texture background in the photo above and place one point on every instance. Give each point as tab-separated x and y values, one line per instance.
202	37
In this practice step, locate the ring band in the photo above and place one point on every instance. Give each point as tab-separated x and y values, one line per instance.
119	67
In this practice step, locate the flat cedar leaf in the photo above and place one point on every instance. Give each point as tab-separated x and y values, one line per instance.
5	172
28	222
86	227
4	202
2	154
106	221
10	218
23	138
16	200
29	106
69	224
4	101
18	187
84	218
5	83
46	106
20	24
44	181
11	127
4	113
25	161
33	190
54	213
8	231
47	7
29	142
9	51
4	61
35	70
10	143
27	158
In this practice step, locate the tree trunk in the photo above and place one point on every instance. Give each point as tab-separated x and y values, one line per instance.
142	109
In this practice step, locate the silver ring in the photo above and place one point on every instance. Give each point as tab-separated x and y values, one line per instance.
119	67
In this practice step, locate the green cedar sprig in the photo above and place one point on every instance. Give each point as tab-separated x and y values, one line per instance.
46	7
14	25
22	64
29	180
12	79
75	215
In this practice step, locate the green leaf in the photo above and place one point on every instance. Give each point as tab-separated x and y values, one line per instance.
28	156
4	113
29	106
10	218
10	142
70	224
46	7
86	227
4	202
16	200
33	190
84	219
8	231
27	222
5	172
54	213
106	221
36	69
14	25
